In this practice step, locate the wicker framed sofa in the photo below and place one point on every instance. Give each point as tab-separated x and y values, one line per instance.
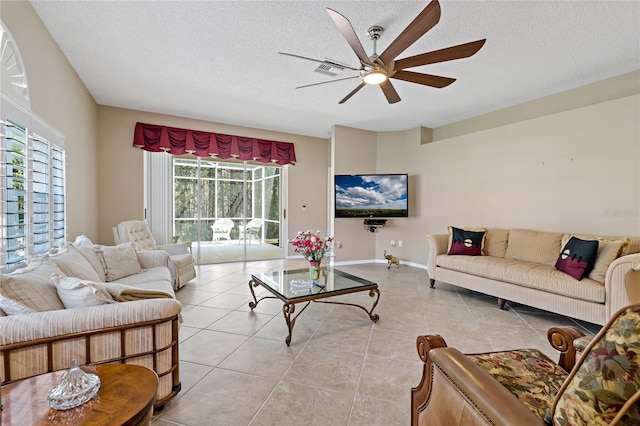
534	268
93	303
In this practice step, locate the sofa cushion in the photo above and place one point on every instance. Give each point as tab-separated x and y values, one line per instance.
32	285
158	278
13	307
577	257
74	264
527	373
119	261
77	293
534	246
467	241
495	242
528	274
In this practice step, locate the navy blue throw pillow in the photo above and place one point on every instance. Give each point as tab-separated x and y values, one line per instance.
577	257
465	242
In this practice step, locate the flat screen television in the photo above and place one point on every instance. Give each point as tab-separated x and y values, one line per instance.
374	195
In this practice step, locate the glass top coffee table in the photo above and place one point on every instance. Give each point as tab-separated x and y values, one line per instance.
293	287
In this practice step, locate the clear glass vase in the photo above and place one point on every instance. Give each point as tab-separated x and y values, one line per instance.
75	388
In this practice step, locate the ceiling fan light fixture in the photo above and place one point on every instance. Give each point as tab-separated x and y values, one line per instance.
375	77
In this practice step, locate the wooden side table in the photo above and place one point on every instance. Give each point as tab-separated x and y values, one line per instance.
126	397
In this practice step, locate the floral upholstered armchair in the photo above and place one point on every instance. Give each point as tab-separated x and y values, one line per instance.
524	387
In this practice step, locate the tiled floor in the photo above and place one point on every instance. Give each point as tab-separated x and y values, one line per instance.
341	369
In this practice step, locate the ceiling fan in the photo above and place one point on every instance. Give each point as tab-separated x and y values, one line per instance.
378	69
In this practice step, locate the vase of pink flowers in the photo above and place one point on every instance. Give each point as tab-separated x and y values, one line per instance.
313	248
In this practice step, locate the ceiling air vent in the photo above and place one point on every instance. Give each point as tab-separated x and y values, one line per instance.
330	68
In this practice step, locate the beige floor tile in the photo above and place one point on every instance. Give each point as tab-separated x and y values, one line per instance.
389	379
331	336
219	286
192	296
239	322
262	357
453	327
210	347
393	344
334	370
467	346
265	306
190	374
495	315
221	398
377	412
295	404
202	316
227	301
504	337
186	332
544	320
394	319
276	329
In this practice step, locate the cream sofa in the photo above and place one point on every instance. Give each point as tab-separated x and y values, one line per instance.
518	266
139	326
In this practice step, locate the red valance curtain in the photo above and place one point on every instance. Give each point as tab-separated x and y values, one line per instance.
154	138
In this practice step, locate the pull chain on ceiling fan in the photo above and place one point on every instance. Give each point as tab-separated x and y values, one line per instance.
378	70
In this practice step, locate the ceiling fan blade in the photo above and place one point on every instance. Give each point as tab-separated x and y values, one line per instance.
424	79
447	54
389	92
353	92
329	81
426	20
347	31
326	61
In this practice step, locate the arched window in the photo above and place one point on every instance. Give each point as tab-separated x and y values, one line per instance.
32	169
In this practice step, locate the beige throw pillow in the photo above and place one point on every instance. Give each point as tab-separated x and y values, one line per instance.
119	261
534	246
87	249
74	264
32	286
495	242
78	293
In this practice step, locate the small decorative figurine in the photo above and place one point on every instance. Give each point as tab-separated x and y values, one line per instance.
391	260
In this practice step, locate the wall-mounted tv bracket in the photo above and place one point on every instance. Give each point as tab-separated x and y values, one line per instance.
372	224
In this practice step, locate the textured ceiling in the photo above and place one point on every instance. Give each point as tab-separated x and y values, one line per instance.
218	61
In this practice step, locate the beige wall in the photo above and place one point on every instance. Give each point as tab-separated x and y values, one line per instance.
121	169
571	171
59	97
353	151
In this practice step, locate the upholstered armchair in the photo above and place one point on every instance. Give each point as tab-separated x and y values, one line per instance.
524	387
222	229
180	259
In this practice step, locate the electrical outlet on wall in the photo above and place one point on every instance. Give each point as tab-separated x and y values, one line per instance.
393	243
400	243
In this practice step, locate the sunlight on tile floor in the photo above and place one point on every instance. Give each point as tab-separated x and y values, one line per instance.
341	369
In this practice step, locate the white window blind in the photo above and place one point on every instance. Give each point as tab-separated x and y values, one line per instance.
32	187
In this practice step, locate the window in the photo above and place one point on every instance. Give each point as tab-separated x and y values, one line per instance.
32	176
32	215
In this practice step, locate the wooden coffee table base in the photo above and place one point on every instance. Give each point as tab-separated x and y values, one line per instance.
126	397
